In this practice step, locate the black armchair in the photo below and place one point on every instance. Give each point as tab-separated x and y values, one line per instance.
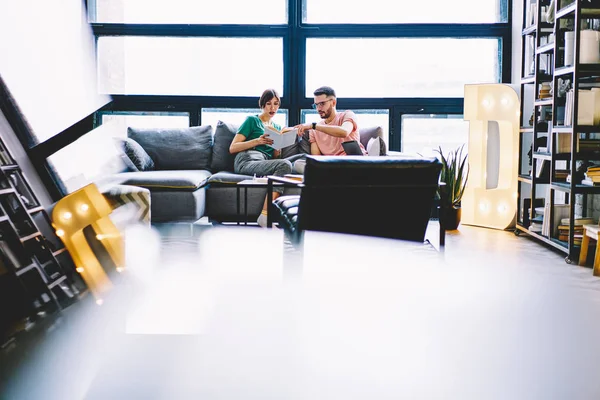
389	197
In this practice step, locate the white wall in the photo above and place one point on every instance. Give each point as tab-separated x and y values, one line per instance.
18	152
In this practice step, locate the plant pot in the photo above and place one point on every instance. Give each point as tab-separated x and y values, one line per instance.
451	217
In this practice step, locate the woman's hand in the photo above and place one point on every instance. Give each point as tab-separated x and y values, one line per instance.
287	129
264	139
276	153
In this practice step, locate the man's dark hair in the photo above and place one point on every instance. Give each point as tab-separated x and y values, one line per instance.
267	96
326	90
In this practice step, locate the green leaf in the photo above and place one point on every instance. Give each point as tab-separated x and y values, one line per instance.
455	174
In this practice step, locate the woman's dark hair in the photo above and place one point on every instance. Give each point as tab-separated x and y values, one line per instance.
267	96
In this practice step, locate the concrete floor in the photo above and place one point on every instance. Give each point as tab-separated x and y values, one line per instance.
489	251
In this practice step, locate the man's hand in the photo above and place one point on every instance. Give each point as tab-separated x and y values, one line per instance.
302	128
264	139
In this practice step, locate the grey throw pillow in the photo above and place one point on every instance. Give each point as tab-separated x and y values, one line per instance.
173	149
136	157
222	159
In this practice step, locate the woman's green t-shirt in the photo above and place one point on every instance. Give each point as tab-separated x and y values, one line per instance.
253	128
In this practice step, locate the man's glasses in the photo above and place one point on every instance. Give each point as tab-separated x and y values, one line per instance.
321	104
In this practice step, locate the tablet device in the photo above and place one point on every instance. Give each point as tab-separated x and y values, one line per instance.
352	148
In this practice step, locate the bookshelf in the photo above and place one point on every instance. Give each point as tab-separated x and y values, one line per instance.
37	275
560	129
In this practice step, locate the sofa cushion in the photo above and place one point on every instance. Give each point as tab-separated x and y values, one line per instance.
186	180
135	157
222	159
227	178
176	149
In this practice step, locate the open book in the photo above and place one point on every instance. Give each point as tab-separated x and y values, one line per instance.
281	140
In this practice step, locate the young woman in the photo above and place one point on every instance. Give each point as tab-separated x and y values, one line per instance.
254	156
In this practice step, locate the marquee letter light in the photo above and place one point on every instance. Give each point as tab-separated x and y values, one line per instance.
485	106
94	242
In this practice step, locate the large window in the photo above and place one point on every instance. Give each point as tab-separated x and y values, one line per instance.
189	11
401	67
190	66
401	12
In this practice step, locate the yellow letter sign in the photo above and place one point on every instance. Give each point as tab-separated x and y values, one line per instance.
491	109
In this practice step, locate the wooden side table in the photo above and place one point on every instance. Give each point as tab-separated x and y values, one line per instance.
590	231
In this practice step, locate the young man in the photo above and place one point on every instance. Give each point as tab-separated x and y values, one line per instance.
327	135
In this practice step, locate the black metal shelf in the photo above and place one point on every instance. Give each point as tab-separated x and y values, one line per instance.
35	209
551	241
59	251
29	237
545	48
566	11
581	155
528	79
543	102
581	73
542	156
580	189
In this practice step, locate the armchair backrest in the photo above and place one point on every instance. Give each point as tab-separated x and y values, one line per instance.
376	196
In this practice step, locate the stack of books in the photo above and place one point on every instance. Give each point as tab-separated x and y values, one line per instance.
563	229
592	176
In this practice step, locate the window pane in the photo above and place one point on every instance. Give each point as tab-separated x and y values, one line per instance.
399	67
424	133
386	11
121	120
210	116
189	66
190	12
365	118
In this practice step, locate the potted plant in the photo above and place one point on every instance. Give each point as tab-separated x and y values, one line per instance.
455	173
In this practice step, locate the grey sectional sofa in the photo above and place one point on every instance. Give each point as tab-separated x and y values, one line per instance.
193	174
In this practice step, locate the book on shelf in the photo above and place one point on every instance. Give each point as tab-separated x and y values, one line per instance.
561	174
593	169
578	221
590	182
